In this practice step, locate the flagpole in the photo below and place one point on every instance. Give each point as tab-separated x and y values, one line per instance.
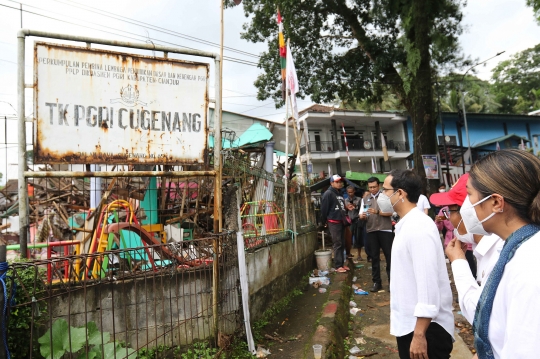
373	147
286	179
346	145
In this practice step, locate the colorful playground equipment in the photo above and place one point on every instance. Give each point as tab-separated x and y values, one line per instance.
260	218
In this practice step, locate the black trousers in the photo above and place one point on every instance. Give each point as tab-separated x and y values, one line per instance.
357	229
380	240
338	243
439	343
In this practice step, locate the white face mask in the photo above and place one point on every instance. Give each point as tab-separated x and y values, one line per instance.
465	238
442	190
385	205
472	224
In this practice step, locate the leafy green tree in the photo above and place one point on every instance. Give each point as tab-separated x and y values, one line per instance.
346	48
535	4
517	82
479	95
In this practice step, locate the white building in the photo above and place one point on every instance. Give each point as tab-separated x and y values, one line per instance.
327	151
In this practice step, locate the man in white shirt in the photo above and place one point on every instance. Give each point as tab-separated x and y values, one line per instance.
420	299
486	249
423	204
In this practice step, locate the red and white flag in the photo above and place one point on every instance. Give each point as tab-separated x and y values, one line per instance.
497	146
292	84
373	168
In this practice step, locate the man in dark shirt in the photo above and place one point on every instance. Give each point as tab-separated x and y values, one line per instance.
332	212
357	227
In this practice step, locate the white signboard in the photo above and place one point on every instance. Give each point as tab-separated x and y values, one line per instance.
96	106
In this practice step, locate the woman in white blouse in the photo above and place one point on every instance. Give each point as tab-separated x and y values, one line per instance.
504	198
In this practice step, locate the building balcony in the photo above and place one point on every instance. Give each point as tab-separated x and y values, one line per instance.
354	145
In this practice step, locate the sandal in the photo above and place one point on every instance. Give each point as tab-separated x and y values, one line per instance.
341	270
346	268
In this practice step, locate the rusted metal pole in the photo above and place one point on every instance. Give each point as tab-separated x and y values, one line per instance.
176	174
132	45
23	190
217	182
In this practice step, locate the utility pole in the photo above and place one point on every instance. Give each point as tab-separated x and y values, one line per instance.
443	135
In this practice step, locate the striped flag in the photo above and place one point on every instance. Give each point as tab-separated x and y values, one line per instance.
292	83
373	168
497	146
282	55
346	144
384	149
522	145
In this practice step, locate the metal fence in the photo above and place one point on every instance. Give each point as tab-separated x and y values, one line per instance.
262	207
138	299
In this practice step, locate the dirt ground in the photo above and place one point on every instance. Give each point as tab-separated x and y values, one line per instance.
294	327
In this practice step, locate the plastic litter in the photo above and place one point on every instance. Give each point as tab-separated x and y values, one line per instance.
262	353
360	340
322	290
360	292
354	279
321	280
352	304
353	311
354	350
323	273
355	287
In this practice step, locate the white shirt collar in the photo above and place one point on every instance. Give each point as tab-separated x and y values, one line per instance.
486	244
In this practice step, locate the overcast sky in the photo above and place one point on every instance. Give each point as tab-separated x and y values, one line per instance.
492	26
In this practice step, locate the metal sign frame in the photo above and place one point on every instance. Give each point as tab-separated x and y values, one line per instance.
24	174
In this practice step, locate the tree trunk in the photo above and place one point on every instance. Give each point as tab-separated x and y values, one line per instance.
422	106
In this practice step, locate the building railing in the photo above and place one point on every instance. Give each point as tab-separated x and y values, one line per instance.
355	145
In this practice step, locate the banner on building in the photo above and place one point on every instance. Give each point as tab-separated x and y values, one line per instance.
431	166
97	106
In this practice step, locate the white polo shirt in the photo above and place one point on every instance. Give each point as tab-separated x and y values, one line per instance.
469	289
420	287
514	325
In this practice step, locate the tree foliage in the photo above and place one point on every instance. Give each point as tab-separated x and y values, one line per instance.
516	82
346	48
479	95
535	4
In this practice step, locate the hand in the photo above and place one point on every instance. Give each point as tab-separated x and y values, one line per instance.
438	219
363	216
454	250
372	211
350	207
418	348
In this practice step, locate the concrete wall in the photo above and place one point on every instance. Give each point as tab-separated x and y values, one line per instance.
290	262
157	309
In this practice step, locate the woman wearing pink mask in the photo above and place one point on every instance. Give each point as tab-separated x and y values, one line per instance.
486	249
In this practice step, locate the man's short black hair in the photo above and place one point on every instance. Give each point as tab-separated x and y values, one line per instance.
409	182
373	179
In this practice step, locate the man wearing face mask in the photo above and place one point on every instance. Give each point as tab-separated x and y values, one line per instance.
379	232
420	299
486	249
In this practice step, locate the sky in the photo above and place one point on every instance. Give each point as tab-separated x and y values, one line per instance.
491	26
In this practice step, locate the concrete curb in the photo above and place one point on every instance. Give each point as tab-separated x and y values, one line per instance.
333	326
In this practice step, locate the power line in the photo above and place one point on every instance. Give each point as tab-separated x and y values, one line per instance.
152	27
227	58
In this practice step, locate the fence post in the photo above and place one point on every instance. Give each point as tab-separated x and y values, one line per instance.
3	323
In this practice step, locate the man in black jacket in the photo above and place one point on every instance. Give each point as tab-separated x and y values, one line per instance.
332	212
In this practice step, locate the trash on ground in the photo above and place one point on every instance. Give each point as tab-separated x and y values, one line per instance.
352	304
318	281
355	287
383	304
360	266
354	350
360	291
322	290
262	353
354	279
276	338
353	311
360	340
381	291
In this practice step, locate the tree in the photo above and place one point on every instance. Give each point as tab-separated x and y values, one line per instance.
535	4
479	95
346	48
517	82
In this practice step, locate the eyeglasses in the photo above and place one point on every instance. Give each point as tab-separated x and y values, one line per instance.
448	211
387	189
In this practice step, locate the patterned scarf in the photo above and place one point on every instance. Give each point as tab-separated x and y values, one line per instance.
485	304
